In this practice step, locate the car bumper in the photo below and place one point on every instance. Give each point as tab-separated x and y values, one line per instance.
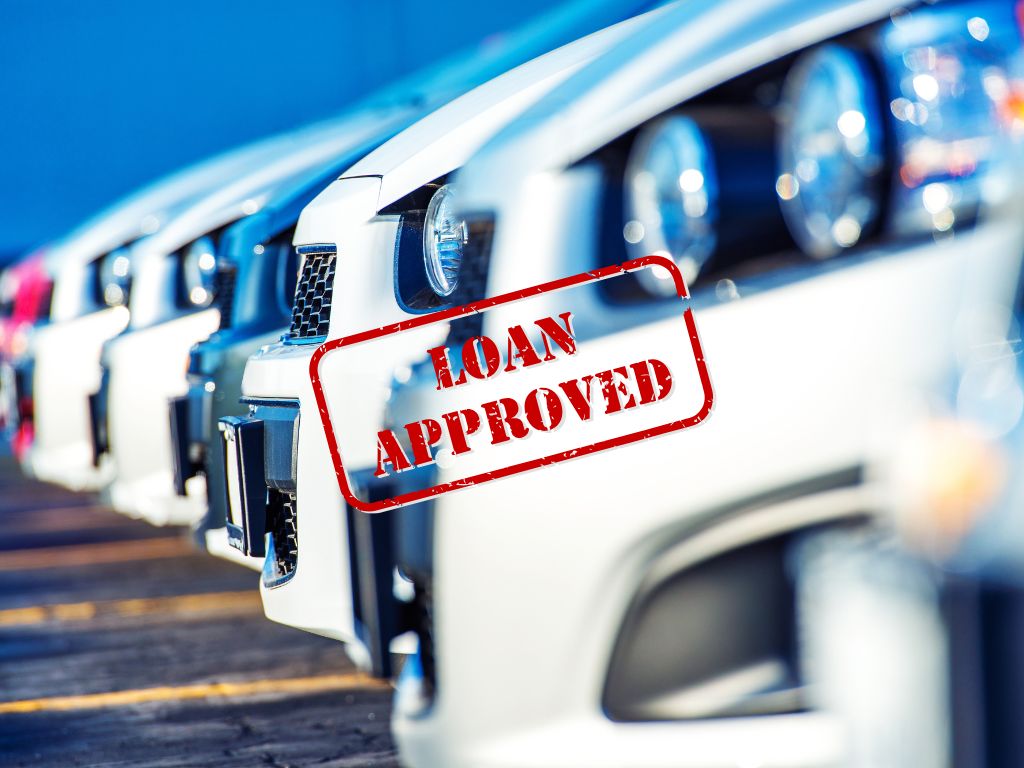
63	451
216	542
317	595
320	595
215	390
146	370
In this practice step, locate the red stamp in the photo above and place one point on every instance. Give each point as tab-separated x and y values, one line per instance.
552	385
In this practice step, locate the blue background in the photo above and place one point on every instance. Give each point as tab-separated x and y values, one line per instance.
97	98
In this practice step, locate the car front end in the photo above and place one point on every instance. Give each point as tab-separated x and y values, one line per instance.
177	288
362	248
92	283
252	317
839	186
256	314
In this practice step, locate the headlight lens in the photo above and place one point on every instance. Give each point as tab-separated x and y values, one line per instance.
200	268
671	197
444	237
115	277
831	151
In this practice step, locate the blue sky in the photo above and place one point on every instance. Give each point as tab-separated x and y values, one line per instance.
98	98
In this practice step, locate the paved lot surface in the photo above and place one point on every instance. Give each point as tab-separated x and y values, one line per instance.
120	645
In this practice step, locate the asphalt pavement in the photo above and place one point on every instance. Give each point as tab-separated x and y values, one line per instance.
121	645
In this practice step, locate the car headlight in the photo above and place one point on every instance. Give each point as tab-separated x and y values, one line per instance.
831	151
444	237
671	197
115	278
200	269
908	126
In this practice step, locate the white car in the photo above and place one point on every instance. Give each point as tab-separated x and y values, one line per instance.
177	285
259	316
362	248
83	317
840	185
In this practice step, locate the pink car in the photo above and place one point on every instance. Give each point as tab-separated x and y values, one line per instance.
25	289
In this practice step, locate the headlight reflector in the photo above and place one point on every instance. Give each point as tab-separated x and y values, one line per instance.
444	237
200	268
671	197
115	277
831	151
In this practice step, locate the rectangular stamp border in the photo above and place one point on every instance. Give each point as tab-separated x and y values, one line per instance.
481	306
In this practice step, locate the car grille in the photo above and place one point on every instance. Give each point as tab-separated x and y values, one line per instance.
282	522
472	285
224	293
311	310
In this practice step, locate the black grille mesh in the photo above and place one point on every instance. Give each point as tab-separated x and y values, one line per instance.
311	311
282	523
224	293
472	284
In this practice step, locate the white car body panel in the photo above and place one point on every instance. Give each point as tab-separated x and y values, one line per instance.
147	368
830	394
62	450
428	149
318	597
820	374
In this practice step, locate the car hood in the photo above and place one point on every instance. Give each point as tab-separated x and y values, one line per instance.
696	45
444	139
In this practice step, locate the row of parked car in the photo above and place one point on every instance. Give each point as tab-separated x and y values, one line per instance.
822	572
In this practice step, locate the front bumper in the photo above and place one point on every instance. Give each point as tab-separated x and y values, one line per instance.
321	594
316	595
266	519
215	390
341	584
146	370
62	451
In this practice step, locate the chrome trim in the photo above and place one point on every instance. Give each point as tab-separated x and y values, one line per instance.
319	248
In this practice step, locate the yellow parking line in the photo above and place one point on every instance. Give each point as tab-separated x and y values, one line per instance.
175	605
346	682
94	554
